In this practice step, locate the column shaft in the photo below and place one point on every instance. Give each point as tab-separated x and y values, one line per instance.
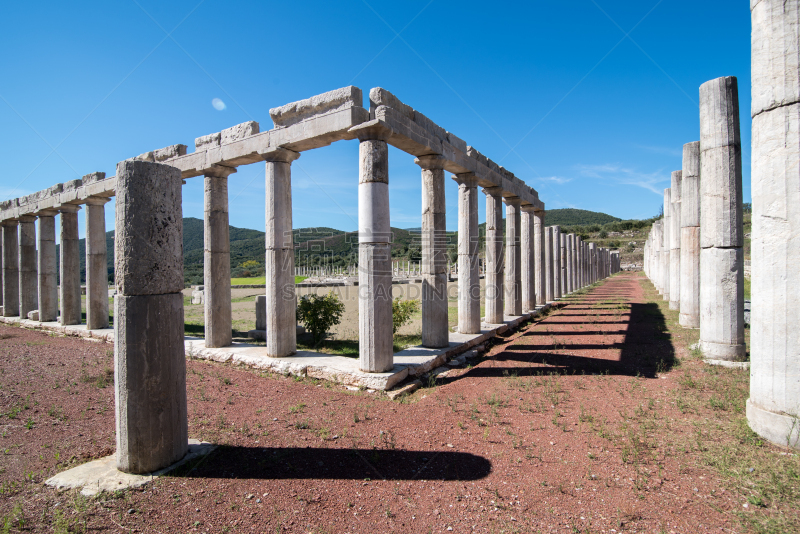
217	259
281	332
513	272
539	270
556	262
70	271
548	264
527	258
48	269
96	264
495	272
469	288
690	237
10	269
675	241
28	278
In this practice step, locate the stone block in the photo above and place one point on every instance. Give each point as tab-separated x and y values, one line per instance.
149	239
775	54
335	100
207	141
722	303
240	131
261	312
457	142
93	177
33	315
406	389
150	382
381	97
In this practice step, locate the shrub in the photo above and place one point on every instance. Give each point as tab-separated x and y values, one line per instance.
402	310
603	234
319	313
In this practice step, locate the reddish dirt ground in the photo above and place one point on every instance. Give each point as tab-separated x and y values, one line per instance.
568	425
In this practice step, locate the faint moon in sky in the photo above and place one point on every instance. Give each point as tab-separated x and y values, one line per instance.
218	104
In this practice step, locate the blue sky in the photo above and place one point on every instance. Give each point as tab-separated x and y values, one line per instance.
588	101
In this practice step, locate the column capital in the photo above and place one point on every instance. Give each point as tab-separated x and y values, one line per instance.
219	171
494	191
512	200
431	162
47	213
27	218
279	155
467	178
97	201
69	208
372	131
528	208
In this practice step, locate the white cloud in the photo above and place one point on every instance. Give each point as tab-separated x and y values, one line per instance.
560	180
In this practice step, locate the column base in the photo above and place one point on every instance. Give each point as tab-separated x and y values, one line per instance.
778	428
723	351
674	305
689	321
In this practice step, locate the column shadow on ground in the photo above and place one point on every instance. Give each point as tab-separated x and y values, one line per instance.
271	463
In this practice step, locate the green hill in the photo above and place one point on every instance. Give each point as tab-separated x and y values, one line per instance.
572	217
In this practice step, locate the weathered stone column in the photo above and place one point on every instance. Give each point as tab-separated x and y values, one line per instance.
774	404
10	269
217	257
675	241
48	270
721	235
549	265
513	271
1	269
28	277
539	270
376	350
665	251
527	258
556	262
469	287
578	264
149	361
281	330
592	262
96	264
434	262
690	237
570	264
495	271
69	268
562	248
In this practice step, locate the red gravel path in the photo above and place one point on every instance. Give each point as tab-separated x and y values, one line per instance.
568	425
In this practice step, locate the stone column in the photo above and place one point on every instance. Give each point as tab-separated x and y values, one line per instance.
721	239
69	268
563	250
774	404
513	272
690	237
528	258
281	312
539	270
469	287
548	264
578	264
149	361
666	227
96	264
48	270
10	269
570	265
217	257
556	262
375	339
28	277
1	269
495	272
592	262
675	241
434	262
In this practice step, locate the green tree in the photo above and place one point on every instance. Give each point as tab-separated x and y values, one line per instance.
402	310
319	313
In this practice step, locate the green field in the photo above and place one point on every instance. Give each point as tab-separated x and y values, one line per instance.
259	281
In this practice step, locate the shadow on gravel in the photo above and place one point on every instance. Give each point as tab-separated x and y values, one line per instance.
347	464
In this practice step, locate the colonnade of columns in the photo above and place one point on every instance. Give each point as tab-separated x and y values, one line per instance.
34	284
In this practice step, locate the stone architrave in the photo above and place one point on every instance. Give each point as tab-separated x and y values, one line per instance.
149	361
675	241
527	258
10	269
539	270
435	332
28	272
376	354
48	268
773	408
469	288
690	237
513	271
96	264
217	257
69	267
281	329
495	271
721	234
